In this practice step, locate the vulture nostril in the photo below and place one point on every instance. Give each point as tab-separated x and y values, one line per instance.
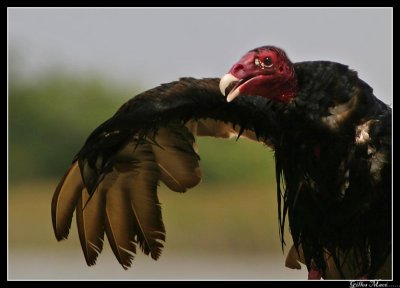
237	68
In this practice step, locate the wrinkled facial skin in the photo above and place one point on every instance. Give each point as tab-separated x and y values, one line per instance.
264	71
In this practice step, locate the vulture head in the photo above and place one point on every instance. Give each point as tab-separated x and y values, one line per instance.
265	71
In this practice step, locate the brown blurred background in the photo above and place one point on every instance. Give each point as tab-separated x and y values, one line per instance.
70	69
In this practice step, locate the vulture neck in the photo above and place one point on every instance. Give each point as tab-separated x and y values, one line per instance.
282	90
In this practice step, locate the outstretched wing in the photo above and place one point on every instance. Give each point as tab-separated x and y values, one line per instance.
112	182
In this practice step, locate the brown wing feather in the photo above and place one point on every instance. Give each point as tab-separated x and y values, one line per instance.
64	201
294	258
176	157
119	221
142	184
214	128
220	129
175	151
138	177
90	222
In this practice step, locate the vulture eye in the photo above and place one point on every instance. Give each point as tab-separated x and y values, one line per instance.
268	61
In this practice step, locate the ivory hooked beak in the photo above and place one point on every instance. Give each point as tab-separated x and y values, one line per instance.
226	80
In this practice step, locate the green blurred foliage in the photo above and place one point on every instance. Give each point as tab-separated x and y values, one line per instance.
50	118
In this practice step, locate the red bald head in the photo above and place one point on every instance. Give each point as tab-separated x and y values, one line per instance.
265	71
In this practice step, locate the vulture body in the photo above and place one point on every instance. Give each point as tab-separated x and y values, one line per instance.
332	142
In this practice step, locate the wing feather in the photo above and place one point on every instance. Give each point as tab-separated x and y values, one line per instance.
119	221
64	201
138	178
175	150
90	222
294	258
177	158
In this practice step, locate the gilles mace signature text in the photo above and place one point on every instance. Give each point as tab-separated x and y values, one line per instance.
362	284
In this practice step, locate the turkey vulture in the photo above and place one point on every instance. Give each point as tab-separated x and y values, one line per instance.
332	143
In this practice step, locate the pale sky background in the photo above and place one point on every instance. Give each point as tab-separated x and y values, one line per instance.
153	46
